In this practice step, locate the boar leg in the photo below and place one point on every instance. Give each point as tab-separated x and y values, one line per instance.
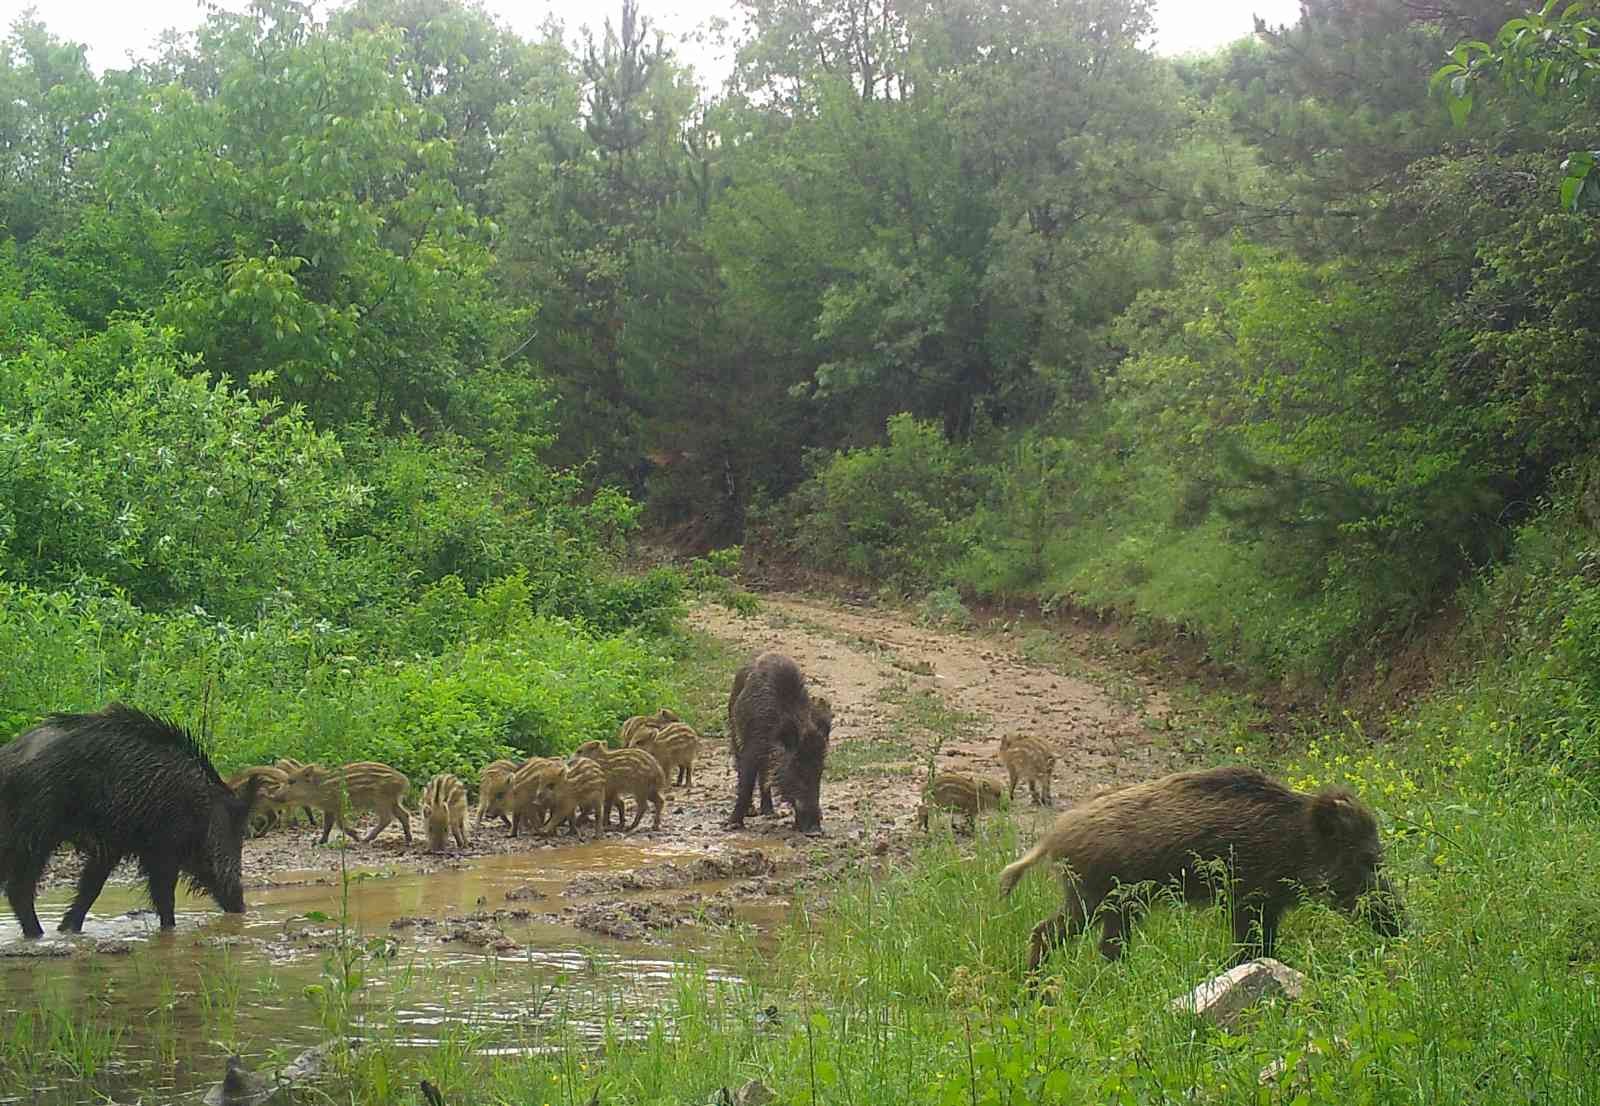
1067	923
1116	925
743	794
460	834
162	877
766	791
385	816
638	814
1012	794
1051	932
1244	922
97	868
656	821
25	872
327	825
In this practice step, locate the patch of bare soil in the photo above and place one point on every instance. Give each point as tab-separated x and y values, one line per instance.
918	693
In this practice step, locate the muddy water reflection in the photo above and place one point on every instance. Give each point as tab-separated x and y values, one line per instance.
168	1011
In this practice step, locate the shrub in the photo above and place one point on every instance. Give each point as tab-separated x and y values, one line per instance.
891	511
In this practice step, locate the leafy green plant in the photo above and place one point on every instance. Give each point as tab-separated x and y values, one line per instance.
889	512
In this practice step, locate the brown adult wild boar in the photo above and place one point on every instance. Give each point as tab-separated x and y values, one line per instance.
1175	830
778	733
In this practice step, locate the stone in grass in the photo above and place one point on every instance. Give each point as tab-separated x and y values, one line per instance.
242	1087
35	950
753	1093
1274	1071
1222	998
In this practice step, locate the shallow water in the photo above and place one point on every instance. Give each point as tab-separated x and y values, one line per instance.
172	1008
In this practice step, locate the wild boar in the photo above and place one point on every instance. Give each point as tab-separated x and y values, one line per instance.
1270	840
778	732
117	783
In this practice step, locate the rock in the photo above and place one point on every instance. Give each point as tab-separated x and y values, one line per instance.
524	893
1273	1071
242	1087
753	1093
1221	998
30	950
112	946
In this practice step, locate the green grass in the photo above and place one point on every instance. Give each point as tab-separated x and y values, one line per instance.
869	757
922	714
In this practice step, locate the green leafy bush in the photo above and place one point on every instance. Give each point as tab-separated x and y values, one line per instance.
505	680
890	512
120	463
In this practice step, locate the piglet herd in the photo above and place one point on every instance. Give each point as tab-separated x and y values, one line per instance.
120	783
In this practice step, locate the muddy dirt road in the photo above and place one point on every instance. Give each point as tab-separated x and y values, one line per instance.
903	694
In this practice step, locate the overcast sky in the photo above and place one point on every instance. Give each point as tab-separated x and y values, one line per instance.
112	28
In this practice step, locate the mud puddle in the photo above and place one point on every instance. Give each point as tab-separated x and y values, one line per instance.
505	954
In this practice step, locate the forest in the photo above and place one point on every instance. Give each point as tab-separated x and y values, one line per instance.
351	363
1276	347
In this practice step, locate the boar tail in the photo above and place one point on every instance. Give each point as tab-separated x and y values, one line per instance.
1015	871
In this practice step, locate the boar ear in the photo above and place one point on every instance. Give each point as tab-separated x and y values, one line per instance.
1337	816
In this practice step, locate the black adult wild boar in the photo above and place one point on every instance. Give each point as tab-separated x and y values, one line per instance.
1273	841
778	732
118	783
